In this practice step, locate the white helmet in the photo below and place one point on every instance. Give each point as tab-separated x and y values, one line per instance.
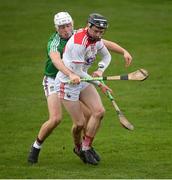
62	18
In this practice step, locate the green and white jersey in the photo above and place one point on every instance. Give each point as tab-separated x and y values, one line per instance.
55	44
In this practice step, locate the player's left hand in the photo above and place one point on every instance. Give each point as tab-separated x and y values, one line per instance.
128	58
97	73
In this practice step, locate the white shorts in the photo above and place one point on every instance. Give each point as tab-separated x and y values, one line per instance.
69	92
49	85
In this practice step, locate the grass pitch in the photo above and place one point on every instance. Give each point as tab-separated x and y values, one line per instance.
142	27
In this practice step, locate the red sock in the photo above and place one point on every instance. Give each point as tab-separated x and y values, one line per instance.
87	142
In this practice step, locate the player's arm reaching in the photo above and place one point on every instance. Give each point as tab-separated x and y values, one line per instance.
58	63
79	71
77	67
104	63
114	47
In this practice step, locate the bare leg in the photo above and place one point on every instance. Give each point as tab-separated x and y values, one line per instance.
87	113
75	111
92	100
54	107
93	112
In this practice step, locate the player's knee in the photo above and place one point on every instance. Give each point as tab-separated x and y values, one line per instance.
99	113
79	125
55	120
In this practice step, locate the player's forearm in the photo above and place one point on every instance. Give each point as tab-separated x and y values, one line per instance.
58	63
114	47
77	69
106	59
61	67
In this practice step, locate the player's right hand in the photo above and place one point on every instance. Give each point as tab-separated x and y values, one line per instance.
104	88
74	79
97	73
128	58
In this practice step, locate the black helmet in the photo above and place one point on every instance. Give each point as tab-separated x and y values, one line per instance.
98	20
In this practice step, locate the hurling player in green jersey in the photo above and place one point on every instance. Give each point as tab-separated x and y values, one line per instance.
64	30
55	44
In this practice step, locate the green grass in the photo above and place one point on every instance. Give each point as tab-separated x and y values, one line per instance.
142	27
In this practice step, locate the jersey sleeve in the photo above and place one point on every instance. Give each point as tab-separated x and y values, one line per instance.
105	57
100	45
54	45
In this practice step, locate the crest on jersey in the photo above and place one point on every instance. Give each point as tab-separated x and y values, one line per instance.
90	60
